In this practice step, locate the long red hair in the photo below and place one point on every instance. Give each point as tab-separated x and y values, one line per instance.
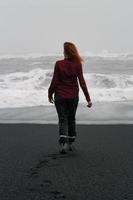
71	51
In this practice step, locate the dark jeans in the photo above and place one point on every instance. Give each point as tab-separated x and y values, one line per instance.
66	110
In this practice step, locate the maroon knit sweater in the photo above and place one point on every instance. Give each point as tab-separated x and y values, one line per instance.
65	82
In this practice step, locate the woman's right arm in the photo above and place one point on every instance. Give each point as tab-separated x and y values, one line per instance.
83	85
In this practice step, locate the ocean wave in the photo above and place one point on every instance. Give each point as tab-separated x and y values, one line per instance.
30	88
29	55
102	55
121	81
107	55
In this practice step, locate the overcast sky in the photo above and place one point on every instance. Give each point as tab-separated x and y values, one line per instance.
42	26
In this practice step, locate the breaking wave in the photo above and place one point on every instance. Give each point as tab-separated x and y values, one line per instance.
30	88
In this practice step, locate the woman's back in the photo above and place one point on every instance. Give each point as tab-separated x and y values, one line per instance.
68	73
68	70
65	82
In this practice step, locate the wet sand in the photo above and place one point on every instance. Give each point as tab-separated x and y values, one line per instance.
99	113
101	167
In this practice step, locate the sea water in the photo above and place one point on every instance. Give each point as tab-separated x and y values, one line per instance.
24	79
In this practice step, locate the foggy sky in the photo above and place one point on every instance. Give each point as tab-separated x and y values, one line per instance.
42	26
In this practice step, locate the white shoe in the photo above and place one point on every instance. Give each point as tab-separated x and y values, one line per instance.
63	147
70	146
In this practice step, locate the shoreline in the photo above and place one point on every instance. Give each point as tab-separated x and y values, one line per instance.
41	122
100	113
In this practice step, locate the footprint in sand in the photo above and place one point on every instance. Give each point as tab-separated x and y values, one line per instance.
46	186
58	195
50	160
46	183
34	171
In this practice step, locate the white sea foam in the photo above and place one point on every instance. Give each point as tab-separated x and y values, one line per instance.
22	89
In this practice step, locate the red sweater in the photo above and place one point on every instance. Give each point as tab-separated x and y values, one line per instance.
64	80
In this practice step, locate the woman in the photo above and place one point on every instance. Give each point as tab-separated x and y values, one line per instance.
64	86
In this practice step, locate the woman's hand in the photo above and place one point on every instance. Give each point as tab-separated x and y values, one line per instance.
51	100
89	104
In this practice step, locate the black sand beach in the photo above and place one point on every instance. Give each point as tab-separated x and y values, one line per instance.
101	168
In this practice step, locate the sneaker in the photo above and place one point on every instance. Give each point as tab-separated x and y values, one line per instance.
70	146
63	148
